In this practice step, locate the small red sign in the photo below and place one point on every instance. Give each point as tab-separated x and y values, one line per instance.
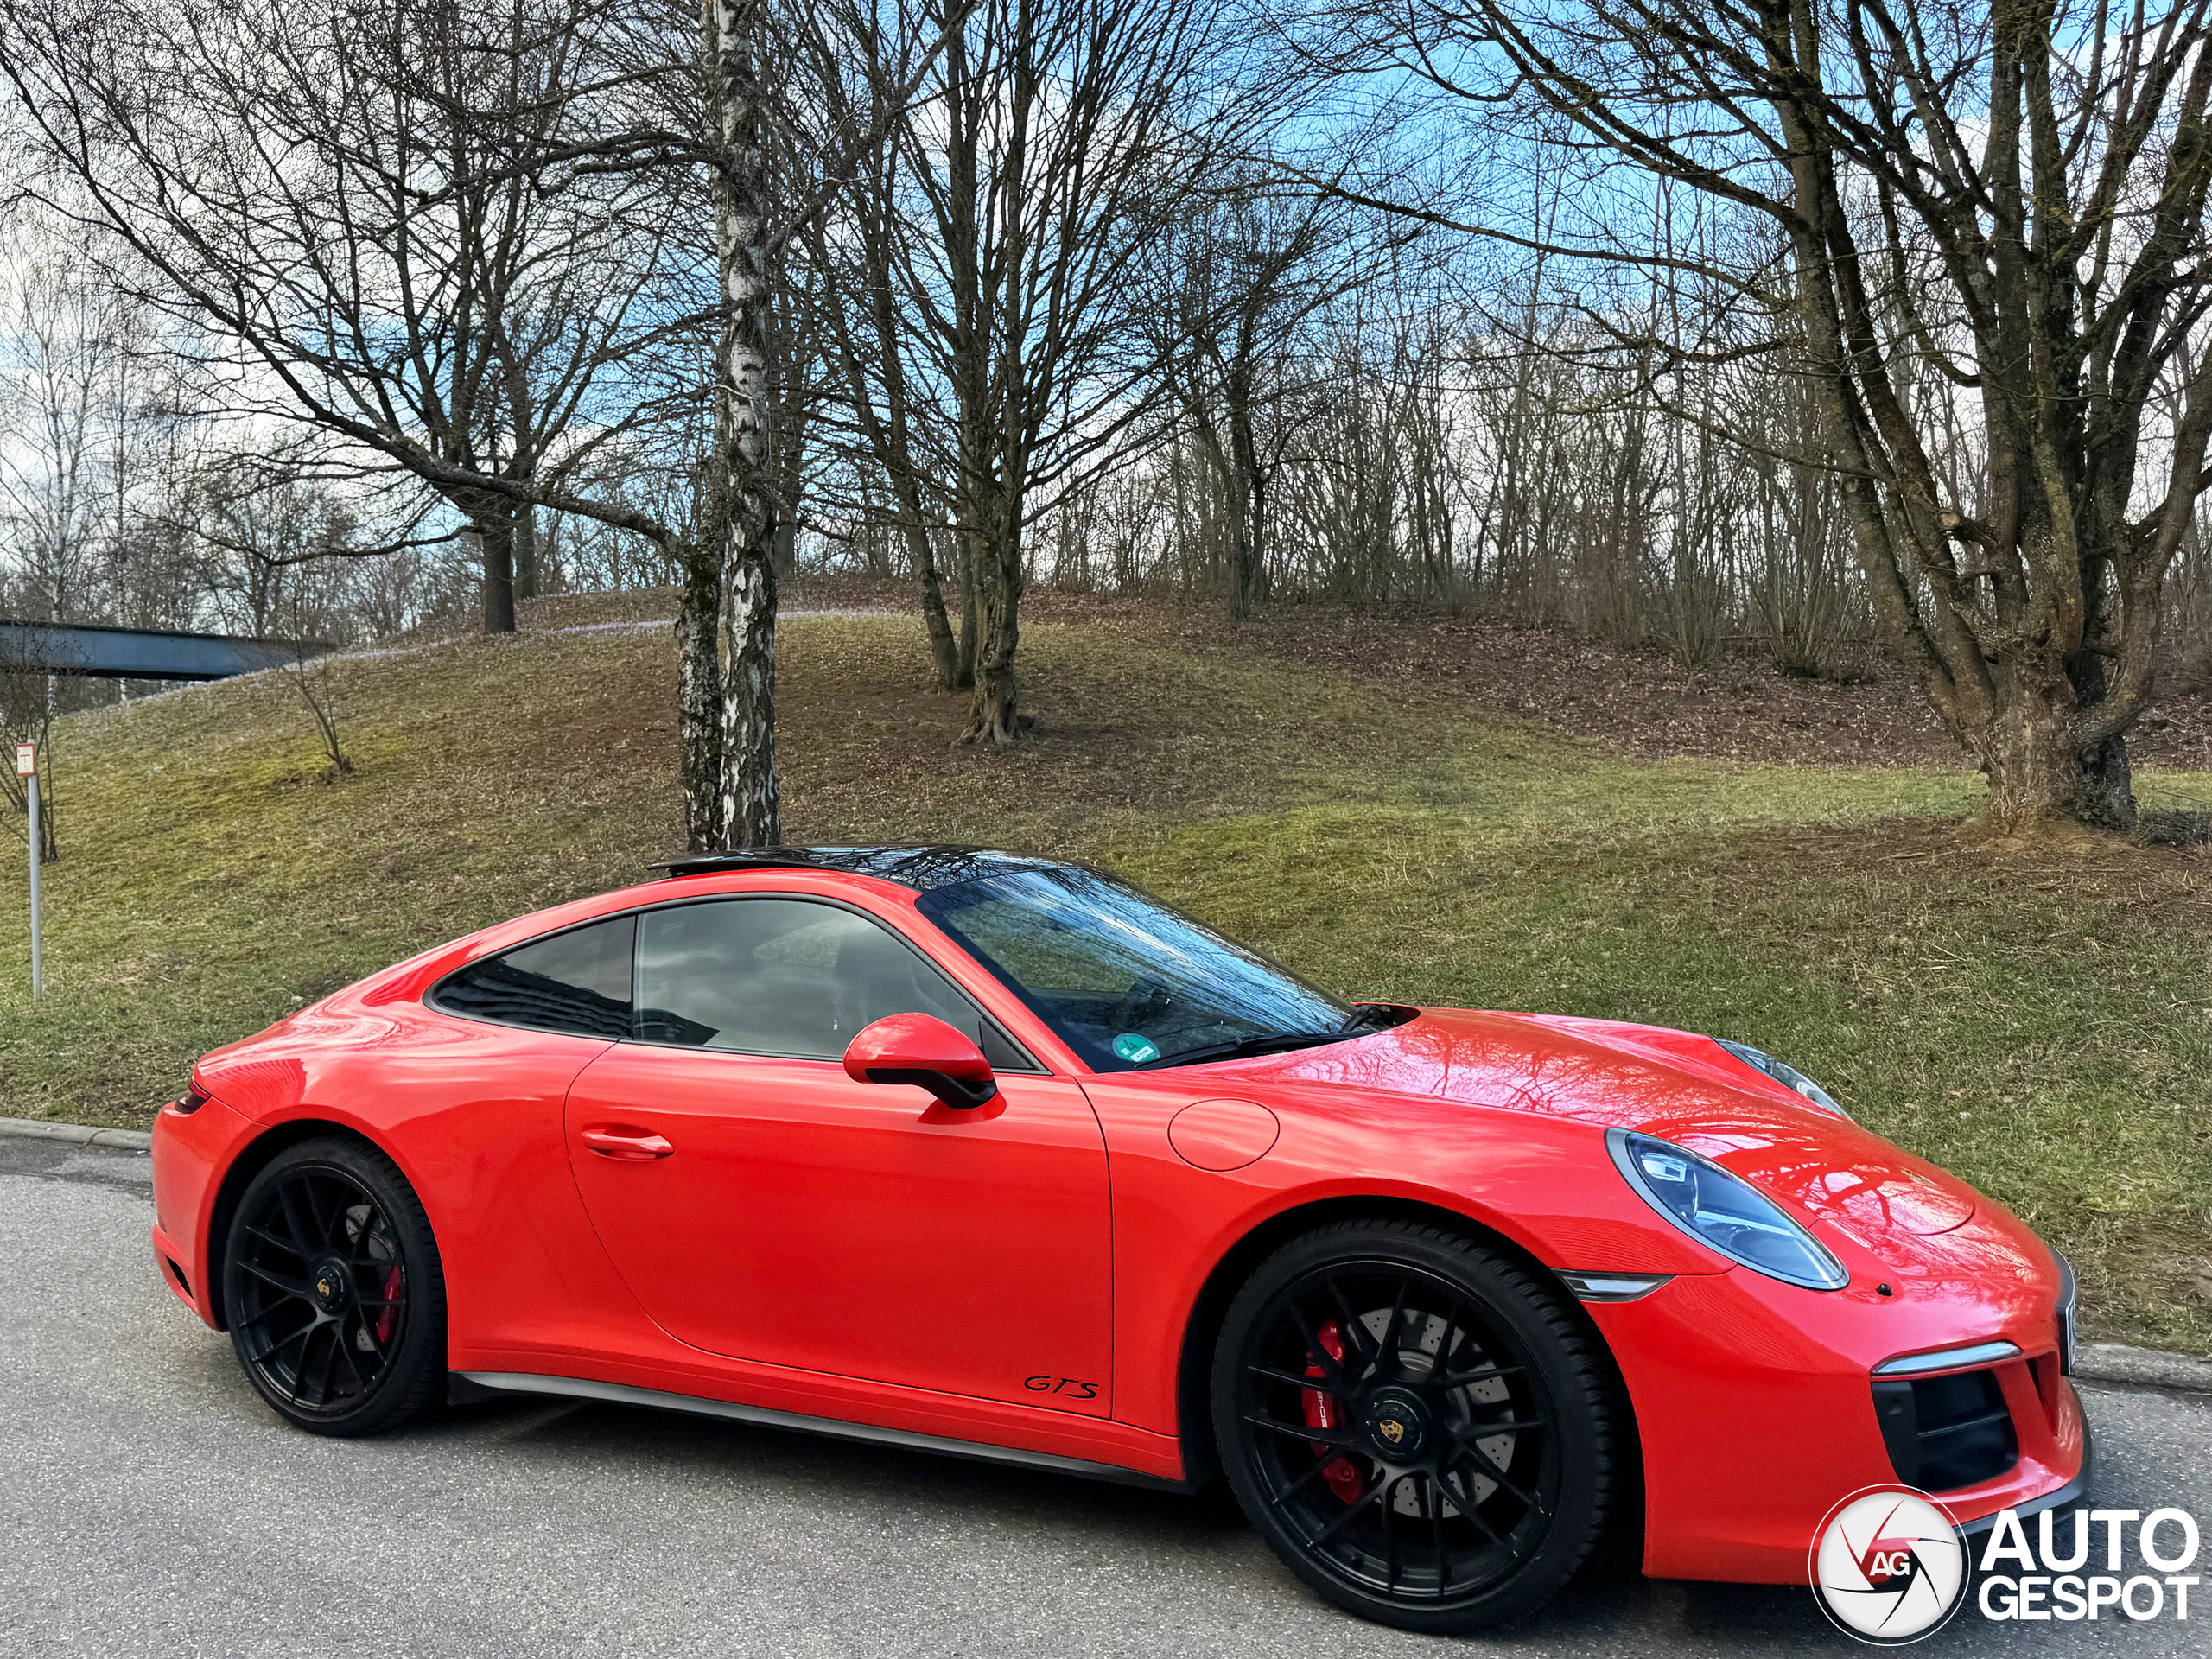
26	760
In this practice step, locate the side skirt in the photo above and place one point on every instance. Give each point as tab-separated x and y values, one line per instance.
577	1388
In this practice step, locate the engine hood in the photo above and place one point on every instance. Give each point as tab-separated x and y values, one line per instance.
1674	1084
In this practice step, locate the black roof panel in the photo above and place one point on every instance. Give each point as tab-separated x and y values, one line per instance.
921	865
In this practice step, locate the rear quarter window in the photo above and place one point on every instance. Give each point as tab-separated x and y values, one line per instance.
576	982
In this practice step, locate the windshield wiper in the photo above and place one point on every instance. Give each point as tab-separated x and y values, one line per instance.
1371	1016
1244	1047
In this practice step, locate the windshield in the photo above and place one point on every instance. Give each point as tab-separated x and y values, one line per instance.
1123	979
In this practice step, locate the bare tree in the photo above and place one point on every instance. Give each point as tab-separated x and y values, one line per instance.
1230	279
310	184
1985	214
65	469
865	327
31	697
996	265
745	487
722	112
310	677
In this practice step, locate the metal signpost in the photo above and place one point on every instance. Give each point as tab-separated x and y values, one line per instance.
27	769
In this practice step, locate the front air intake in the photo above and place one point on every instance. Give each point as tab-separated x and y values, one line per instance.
1944	1433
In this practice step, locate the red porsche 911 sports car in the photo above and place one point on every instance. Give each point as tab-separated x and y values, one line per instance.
998	1155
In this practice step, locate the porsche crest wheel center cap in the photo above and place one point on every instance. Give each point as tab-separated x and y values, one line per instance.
1398	1424
329	1285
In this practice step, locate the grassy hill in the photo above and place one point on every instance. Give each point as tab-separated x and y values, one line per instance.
2038	1019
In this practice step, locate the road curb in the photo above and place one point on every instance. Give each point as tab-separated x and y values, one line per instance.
2115	1362
77	1134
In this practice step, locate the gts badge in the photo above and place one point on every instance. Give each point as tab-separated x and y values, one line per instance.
1067	1387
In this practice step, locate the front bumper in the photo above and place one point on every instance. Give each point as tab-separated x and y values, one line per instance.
1755	1412
2075	1490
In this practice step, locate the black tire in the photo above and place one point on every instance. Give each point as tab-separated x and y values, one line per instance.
1465	1453
333	1291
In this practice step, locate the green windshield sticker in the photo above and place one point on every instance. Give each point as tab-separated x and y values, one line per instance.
1135	1049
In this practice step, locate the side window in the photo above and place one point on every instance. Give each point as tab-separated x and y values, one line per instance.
577	981
783	976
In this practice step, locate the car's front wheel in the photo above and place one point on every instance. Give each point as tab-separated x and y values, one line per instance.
1415	1424
333	1291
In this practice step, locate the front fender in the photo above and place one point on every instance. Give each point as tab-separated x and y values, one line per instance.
1545	1184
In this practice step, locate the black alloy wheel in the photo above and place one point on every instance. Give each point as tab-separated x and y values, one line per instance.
1419	1428
334	1291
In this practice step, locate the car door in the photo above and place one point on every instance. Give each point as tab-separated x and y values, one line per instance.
761	1204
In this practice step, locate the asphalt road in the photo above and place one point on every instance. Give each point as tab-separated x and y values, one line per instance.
150	1505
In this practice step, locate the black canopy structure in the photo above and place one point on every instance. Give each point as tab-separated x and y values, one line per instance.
141	653
923	865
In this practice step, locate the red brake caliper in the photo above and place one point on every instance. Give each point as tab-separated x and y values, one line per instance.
390	1315
1326	1411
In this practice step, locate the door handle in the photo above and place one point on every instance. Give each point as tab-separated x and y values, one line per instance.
630	1146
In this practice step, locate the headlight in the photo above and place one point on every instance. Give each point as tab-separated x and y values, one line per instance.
1724	1212
1788	1076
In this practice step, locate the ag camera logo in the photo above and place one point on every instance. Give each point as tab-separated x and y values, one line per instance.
1888	1566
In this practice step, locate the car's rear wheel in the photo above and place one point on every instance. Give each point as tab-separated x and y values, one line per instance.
1418	1425
335	1295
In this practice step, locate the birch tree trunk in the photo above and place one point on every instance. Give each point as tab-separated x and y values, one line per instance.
699	686
744	438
